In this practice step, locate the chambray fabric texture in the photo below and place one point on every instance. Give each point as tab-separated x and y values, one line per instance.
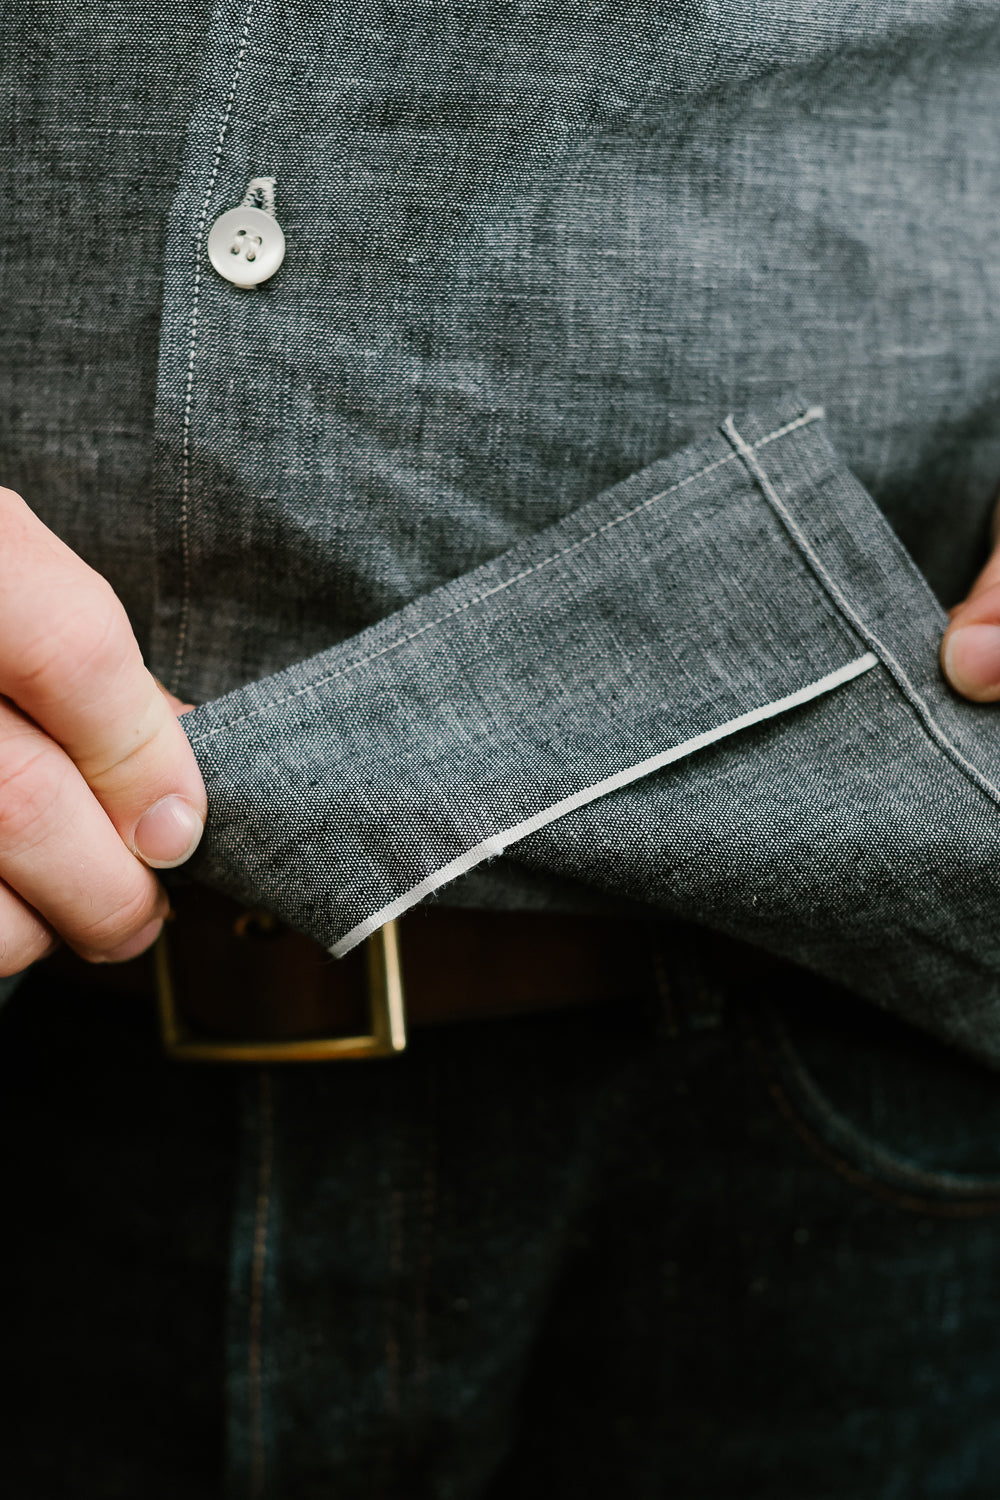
532	252
536	255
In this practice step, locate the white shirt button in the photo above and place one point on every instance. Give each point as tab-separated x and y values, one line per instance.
246	246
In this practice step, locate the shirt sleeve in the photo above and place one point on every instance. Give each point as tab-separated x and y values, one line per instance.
714	689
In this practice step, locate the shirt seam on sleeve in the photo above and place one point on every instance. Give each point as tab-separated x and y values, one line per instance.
813	414
924	714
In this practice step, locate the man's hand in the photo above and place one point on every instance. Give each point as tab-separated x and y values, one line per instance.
970	650
97	779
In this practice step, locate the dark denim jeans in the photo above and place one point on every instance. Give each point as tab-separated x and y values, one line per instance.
740	1243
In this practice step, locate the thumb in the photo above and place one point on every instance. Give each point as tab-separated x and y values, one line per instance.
970	650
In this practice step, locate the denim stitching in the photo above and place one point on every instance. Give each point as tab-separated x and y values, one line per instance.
397	1237
814	414
425	1260
941	1208
192	346
923	712
255	1317
428	1209
841	1134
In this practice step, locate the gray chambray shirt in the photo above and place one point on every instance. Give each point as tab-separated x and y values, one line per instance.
492	534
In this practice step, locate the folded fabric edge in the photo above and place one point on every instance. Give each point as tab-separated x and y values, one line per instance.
497	843
634	495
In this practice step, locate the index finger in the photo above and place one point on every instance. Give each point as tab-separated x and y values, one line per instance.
69	659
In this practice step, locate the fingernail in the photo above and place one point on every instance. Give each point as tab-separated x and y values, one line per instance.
972	658
168	833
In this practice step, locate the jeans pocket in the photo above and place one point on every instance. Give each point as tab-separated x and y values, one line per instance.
889	1109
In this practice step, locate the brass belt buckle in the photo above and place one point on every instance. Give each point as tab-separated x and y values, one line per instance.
387	1024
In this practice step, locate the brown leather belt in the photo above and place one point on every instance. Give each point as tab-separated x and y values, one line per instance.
237	985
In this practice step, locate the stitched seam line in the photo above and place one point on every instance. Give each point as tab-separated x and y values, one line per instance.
922	709
814	414
256	1315
182	627
843	1135
944	1208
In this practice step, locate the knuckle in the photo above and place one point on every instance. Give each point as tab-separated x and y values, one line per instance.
117	925
89	641
32	780
112	772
